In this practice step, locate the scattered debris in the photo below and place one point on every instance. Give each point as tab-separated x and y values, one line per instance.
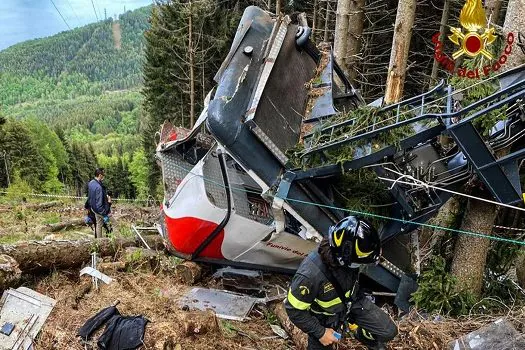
227	305
23	313
41	206
299	338
241	280
136	230
500	335
279	331
88	270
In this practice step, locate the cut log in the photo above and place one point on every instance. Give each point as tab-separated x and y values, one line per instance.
10	272
199	322
188	272
111	267
299	338
34	256
64	225
41	206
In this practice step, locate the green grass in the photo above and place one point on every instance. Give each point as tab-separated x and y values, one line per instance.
50	218
124	231
229	329
271	318
19	236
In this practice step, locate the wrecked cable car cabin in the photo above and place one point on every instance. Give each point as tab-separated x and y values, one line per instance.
233	197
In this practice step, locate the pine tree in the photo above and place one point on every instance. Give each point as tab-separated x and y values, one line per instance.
181	60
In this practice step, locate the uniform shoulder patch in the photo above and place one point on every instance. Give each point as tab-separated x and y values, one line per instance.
327	287
304	290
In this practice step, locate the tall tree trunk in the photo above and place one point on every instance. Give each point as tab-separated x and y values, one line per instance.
470	253
356	22
515	22
278	7
269	5
406	12
341	32
442	31
191	53
326	20
493	9
314	21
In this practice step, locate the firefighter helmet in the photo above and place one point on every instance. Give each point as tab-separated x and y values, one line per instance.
354	241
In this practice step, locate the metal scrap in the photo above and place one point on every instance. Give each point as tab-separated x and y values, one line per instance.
225	304
23	312
88	270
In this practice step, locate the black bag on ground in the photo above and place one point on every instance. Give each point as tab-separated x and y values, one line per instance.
96	321
123	333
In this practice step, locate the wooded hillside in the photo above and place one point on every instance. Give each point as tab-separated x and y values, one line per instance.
75	96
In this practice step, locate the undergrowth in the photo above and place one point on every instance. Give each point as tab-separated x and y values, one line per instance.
437	291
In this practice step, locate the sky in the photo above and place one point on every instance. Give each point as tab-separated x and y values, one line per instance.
22	20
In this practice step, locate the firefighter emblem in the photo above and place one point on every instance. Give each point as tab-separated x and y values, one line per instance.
477	35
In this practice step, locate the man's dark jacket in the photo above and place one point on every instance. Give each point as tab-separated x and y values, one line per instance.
97	198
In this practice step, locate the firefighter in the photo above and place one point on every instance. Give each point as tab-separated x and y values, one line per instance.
324	300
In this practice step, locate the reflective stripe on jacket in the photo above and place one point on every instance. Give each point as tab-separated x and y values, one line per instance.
312	302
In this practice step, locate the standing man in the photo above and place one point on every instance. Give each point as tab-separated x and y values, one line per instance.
99	201
324	299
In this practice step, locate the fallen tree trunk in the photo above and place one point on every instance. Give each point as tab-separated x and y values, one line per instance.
299	337
64	225
111	267
36	256
40	206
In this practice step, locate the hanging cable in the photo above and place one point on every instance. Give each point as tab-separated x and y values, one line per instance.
425	185
56	8
365	213
92	3
74	12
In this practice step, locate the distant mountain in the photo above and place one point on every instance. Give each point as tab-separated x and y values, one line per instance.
85	61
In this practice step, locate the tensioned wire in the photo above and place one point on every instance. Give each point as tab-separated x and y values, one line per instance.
359	212
50	195
352	211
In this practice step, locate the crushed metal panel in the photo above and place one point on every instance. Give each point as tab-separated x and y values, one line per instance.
88	270
500	335
226	305
27	310
241	280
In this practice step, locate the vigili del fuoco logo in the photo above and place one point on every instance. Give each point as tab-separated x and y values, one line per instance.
472	40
